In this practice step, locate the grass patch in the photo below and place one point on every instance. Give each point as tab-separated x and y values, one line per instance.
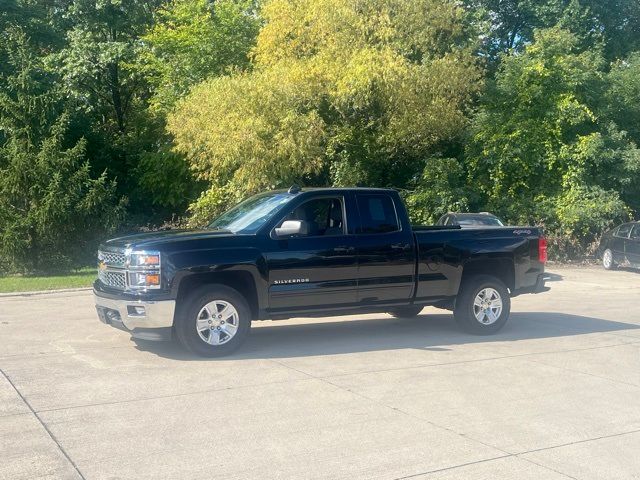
27	283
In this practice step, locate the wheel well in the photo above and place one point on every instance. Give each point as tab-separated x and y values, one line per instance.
500	268
241	281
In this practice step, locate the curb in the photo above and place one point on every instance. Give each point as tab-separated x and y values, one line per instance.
45	292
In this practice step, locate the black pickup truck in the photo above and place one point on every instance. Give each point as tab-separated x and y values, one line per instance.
311	252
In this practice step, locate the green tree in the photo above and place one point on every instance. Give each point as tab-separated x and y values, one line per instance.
541	150
51	209
622	100
442	188
192	40
510	24
340	92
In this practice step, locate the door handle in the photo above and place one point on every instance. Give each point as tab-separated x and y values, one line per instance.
344	249
400	246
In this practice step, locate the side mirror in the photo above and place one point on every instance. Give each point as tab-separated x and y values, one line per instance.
291	227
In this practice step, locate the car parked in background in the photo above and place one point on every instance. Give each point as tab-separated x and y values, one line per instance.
482	219
621	246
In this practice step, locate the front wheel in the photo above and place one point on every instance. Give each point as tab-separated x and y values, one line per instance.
214	321
483	305
607	260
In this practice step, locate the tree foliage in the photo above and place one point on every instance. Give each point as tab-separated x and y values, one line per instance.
51	208
192	40
543	151
340	92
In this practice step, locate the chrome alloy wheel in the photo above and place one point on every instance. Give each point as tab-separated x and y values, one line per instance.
487	306
217	322
607	259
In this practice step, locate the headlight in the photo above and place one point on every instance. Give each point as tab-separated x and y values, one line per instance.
144	280
145	259
144	269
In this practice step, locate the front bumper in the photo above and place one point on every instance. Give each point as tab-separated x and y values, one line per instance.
146	320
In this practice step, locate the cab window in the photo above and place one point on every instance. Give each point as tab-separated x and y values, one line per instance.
377	214
322	216
623	231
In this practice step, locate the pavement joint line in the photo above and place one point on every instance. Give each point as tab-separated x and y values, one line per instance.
453	467
44	425
547	467
175	395
486	359
398	410
133	400
578	442
429	472
463	435
613	380
17	414
520	455
60	353
44	292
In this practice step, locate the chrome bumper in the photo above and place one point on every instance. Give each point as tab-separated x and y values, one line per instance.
144	320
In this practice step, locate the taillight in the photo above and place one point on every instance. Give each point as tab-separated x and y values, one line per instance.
542	249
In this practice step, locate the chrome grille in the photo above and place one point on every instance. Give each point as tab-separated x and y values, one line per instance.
113	279
112	259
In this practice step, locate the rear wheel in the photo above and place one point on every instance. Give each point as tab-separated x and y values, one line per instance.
607	260
483	305
214	321
409	311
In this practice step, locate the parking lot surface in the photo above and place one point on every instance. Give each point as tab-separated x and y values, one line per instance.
555	395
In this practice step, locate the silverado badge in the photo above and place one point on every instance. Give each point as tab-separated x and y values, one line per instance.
291	280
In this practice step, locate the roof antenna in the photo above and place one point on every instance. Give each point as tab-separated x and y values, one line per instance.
294	189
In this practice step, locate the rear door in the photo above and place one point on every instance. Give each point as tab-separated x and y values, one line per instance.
632	246
386	257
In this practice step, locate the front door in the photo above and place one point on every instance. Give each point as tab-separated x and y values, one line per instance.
386	257
317	269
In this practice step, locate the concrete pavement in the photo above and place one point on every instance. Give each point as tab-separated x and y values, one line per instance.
554	395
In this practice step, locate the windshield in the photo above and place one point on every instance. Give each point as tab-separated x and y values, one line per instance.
250	215
480	220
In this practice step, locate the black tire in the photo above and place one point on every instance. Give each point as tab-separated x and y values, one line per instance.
608	264
187	316
465	313
410	311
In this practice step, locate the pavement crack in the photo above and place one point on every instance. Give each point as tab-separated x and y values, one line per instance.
453	467
44	425
577	442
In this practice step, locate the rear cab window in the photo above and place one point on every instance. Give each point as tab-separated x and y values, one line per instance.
623	231
377	214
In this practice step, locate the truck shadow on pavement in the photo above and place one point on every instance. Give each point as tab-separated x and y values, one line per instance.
430	332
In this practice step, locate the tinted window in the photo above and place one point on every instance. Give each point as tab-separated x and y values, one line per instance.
377	214
323	217
480	220
623	230
250	215
635	233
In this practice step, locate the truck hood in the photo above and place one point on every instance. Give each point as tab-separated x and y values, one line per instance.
157	239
